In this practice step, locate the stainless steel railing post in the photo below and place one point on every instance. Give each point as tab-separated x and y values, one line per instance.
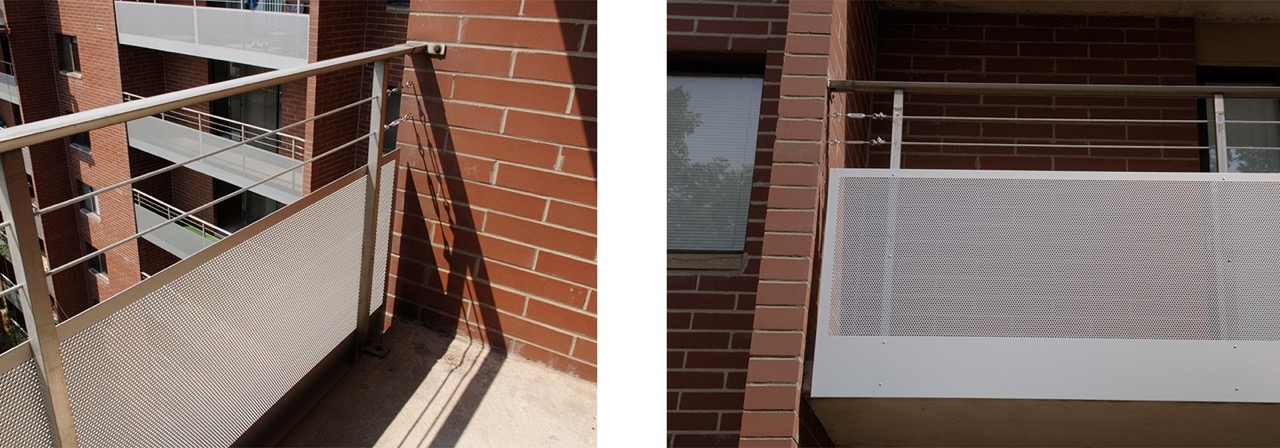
377	114
895	151
37	307
1220	131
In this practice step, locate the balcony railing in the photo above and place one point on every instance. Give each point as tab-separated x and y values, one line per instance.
161	363
255	37
192	223
294	6
1076	285
287	145
9	83
184	237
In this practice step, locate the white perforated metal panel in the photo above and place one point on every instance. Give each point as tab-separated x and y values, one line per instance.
973	273
24	417
382	238
199	360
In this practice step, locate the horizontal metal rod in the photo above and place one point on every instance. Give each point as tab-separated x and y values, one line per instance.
175	166
11	289
1053	145
1118	90
203	207
1256	148
1051	120
214	120
1251	122
29	134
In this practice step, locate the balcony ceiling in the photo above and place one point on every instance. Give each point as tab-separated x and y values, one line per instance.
1217	11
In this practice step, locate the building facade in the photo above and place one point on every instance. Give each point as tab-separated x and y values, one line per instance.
742	314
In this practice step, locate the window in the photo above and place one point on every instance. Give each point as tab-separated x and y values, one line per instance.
89	204
81	141
1242	137
711	144
68	54
97	264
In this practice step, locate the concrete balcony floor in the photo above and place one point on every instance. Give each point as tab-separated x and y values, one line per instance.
432	389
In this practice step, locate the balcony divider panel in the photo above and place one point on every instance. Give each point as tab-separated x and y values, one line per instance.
200	350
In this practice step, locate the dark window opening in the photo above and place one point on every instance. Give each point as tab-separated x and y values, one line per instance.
68	53
97	263
89	204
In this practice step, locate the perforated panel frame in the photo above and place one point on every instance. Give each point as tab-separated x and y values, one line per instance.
1034	367
382	235
245	409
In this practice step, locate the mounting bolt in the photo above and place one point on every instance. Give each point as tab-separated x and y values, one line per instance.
1237	388
882	385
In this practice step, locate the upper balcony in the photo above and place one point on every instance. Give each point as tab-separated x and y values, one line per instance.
1015	291
273	34
235	343
9	83
183	134
183	237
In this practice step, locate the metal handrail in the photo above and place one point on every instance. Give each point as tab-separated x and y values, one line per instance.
289	6
996	88
17	137
215	201
95	193
161	208
1216	94
288	145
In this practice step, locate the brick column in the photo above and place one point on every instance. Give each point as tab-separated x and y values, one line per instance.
772	407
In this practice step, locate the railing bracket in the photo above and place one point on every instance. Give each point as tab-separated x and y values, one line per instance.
378	350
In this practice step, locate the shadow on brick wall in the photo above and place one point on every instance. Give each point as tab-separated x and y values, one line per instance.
457	273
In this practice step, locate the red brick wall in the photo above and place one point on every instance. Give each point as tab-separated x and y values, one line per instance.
337	29
818	39
155	259
968	47
710	313
144	71
36	64
142	162
495	233
99	86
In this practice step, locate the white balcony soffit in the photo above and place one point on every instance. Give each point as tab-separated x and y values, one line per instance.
265	39
241	166
9	89
172	237
1050	285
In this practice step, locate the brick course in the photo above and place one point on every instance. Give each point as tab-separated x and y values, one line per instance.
966	47
495	236
710	313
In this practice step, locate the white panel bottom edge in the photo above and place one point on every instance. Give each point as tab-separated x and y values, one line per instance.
1046	368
